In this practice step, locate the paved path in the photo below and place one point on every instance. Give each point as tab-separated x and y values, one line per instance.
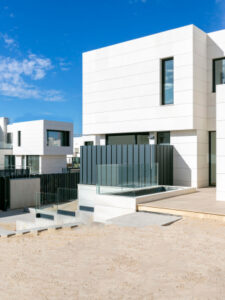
142	219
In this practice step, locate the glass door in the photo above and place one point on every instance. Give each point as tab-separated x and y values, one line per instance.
212	158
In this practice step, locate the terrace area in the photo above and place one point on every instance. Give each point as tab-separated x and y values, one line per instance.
201	204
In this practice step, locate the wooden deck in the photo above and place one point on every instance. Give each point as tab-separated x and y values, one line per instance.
201	204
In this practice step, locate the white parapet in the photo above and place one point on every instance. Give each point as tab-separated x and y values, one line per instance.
114	201
220	143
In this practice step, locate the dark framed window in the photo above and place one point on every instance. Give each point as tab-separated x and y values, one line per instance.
9	161
58	138
33	163
9	138
19	138
163	138
167	80
88	143
218	72
127	138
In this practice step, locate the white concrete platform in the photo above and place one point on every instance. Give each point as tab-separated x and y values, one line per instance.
143	219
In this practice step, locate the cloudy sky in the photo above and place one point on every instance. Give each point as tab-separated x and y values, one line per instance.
41	45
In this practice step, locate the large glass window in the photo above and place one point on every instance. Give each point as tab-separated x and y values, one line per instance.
218	72
58	138
9	161
163	138
127	139
167	81
33	163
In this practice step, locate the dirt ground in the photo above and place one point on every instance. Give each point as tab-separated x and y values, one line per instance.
183	261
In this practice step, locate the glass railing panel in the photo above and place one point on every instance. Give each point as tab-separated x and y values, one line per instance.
117	178
67	201
46	203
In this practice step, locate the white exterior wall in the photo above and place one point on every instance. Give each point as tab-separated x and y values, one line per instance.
52	159
121	85
121	94
34	138
52	164
220	143
215	49
185	165
80	141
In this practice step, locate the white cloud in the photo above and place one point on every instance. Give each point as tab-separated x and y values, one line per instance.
63	64
9	42
16	75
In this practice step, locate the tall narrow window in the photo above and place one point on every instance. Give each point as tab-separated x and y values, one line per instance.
167	81
9	138
19	138
218	72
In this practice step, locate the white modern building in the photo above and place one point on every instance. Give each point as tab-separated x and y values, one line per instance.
79	141
5	143
41	146
163	88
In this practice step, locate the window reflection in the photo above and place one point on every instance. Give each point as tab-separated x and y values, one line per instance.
167	81
57	138
218	72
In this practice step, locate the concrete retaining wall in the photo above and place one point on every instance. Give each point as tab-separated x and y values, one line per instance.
22	192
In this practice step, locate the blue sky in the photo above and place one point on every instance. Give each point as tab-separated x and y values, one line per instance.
42	41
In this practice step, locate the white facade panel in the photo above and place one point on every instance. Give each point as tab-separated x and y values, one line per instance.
52	164
121	85
34	137
220	144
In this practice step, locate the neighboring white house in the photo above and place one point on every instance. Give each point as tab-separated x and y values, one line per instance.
5	144
40	145
78	141
162	88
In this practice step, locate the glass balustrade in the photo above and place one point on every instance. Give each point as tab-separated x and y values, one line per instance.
120	178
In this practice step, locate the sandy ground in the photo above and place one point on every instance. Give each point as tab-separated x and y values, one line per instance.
8	226
183	261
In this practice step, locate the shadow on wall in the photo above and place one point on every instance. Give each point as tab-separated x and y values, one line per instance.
217	51
182	173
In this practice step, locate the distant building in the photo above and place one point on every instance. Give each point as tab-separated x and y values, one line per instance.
78	141
42	146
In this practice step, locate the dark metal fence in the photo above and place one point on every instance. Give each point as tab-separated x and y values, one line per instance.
51	182
91	156
14	173
4	193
